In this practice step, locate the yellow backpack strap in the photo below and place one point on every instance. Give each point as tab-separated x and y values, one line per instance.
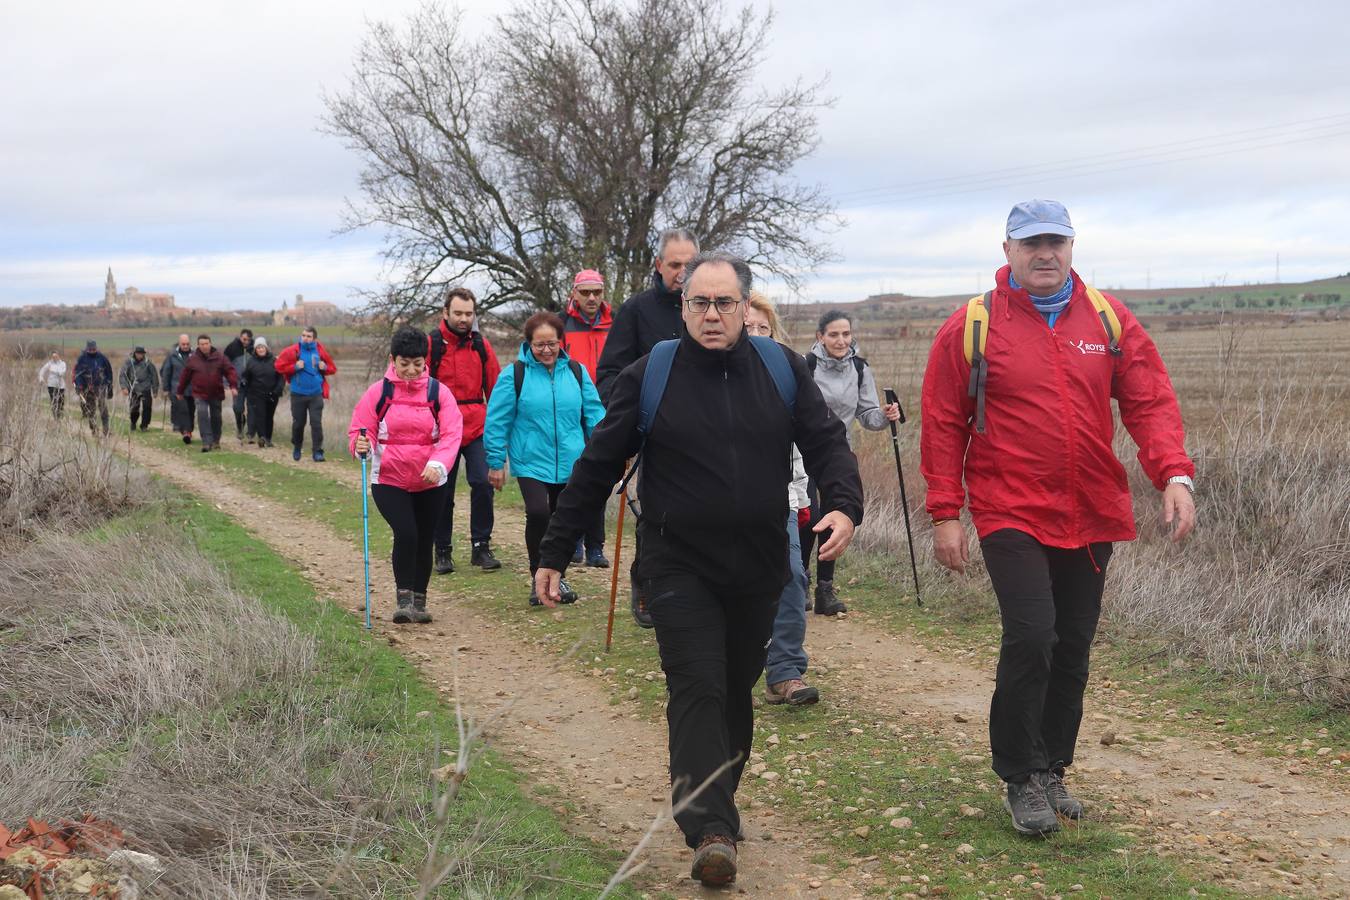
974	340
1107	314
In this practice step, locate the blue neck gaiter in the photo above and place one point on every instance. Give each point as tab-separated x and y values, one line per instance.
1050	307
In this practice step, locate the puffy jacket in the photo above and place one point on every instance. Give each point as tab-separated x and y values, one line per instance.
642	320
462	370
542	433
715	468
584	341
172	369
206	375
139	377
410	436
53	374
93	373
838	381
260	377
1045	464
302	381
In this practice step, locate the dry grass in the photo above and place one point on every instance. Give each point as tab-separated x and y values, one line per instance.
1263	587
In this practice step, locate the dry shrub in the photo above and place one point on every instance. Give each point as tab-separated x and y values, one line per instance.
139	687
52	472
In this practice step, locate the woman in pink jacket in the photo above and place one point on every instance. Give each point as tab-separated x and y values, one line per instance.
412	429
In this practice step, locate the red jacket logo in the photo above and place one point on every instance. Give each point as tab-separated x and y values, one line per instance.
1085	348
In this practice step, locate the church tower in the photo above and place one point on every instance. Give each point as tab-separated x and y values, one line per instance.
110	291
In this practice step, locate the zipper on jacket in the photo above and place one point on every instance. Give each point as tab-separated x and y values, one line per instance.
1070	436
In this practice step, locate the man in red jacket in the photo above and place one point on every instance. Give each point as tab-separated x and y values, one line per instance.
206	374
586	325
1047	495
307	366
462	359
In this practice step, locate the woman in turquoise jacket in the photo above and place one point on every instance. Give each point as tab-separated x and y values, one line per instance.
541	414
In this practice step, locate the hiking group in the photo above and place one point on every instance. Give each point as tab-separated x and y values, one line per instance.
734	453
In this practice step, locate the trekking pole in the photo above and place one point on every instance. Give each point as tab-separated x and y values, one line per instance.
614	573
891	397
365	529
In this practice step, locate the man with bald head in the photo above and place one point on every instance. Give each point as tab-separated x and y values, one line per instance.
181	409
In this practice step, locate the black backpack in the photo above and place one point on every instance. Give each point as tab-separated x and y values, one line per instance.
576	373
387	399
438	348
858	363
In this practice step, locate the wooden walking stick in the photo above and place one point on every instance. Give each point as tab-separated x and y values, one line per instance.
614	573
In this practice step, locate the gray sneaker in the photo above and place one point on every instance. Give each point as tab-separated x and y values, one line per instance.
1058	796
420	616
1029	807
403	613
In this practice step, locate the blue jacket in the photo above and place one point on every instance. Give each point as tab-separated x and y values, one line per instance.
93	373
542	432
308	381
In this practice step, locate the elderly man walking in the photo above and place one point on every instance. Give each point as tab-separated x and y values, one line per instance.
644	319
1017	417
140	383
182	410
716	458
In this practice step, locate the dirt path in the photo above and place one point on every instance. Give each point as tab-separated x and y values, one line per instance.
561	729
1262	822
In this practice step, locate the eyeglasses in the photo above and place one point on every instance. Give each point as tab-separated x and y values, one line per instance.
544	346
725	305
597	292
762	330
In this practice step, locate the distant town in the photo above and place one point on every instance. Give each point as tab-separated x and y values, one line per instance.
133	307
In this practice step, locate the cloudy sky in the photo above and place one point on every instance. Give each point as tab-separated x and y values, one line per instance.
1192	141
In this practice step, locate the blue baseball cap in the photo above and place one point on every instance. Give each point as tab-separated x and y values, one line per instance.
1032	217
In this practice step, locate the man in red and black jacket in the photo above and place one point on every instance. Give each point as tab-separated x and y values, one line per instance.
1048	497
462	359
585	328
205	376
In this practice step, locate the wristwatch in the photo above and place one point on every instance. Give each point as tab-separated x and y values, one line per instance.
1183	479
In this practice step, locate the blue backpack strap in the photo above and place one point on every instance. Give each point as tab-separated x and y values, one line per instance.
654	380
772	356
518	368
434	397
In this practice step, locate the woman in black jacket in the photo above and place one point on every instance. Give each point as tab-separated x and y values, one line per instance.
263	386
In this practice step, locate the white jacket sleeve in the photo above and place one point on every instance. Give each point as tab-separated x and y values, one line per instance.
798	499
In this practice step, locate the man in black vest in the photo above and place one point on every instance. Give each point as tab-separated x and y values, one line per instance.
715	465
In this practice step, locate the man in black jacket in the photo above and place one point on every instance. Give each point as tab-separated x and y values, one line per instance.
715	467
643	319
237	352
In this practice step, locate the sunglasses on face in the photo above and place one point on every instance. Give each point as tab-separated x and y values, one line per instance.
587	292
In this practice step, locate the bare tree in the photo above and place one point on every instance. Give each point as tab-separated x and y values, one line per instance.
566	139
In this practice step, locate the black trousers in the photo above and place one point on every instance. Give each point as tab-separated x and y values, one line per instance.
57	396
261	414
412	517
307	406
712	641
94	405
541	499
240	404
474	456
142	405
824	567
182	412
1050	600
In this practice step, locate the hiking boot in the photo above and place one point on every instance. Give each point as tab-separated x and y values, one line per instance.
420	616
295	453
827	602
578	557
793	692
596	559
715	861
187	437
403	614
318	456
534	598
206	448
444	564
565	591
1029	807
482	558
641	615
1058	796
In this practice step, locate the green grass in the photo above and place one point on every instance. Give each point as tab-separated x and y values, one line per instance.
374	695
885	761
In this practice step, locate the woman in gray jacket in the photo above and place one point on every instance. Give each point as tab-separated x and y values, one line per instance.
846	380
